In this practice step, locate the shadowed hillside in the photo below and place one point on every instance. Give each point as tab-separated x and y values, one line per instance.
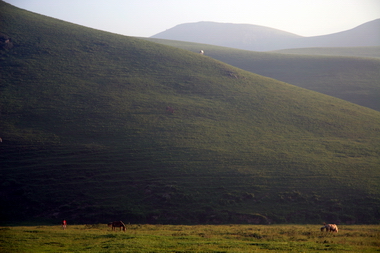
98	127
372	52
260	38
355	79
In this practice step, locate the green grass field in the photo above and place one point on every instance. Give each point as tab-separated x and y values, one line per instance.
180	238
87	137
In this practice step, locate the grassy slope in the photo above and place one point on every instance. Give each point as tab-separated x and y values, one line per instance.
86	136
355	79
373	52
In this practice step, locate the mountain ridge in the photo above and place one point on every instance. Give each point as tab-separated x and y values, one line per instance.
261	38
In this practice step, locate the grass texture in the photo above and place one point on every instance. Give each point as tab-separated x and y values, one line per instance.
198	238
86	136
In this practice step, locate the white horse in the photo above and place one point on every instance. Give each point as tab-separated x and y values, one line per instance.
330	227
202	52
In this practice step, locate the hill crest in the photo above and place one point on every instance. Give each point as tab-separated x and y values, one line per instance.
243	36
260	38
352	74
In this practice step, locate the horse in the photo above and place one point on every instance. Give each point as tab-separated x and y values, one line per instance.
117	224
330	227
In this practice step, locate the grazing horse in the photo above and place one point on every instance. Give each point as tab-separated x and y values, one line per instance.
330	227
202	52
117	224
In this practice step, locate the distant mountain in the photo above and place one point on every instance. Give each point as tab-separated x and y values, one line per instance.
365	35
260	38
242	36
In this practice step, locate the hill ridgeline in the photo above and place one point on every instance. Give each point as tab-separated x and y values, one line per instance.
261	38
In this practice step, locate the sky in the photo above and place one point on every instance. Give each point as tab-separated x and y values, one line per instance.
145	18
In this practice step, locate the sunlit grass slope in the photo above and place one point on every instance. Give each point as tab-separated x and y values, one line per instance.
86	136
340	72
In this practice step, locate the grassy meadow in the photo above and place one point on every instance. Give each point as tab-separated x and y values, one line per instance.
87	137
197	238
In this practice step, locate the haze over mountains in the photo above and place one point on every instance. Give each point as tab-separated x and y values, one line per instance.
260	38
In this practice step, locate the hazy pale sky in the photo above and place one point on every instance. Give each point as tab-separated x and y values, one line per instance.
148	17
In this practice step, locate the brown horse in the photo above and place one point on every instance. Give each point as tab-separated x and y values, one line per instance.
330	227
117	224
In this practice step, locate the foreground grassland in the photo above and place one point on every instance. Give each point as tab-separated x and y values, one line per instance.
180	238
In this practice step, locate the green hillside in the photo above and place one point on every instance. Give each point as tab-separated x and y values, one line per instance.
87	136
355	79
373	52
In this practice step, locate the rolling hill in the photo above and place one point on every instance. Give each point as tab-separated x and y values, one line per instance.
371	52
98	127
260	38
355	79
